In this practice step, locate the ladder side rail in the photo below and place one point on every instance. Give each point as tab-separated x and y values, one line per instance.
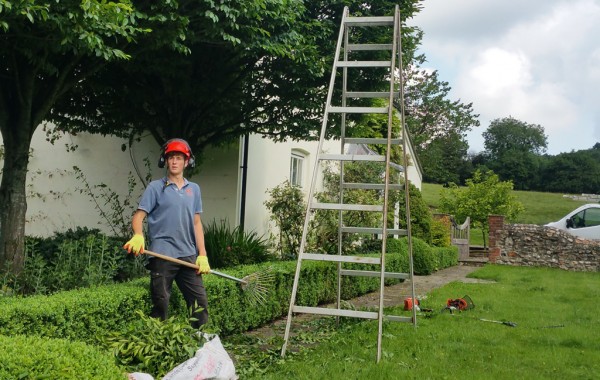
312	187
387	181
341	179
406	184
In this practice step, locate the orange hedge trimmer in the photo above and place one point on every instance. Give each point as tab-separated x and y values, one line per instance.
465	303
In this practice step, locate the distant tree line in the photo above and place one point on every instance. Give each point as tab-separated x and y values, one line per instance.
515	151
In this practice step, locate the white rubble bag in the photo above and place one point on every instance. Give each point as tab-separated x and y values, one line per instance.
210	362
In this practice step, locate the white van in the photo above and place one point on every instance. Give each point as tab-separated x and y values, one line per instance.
584	222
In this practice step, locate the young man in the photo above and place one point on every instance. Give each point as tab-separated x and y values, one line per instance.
173	206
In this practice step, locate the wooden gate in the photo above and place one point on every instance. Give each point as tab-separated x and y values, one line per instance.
459	235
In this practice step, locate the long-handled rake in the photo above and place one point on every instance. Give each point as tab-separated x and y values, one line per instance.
255	285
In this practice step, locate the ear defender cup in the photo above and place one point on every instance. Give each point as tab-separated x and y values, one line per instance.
176	145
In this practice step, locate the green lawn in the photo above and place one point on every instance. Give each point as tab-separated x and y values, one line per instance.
556	336
540	208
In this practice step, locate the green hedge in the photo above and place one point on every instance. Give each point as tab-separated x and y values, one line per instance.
26	357
86	314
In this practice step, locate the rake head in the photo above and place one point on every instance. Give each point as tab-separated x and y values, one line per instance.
256	285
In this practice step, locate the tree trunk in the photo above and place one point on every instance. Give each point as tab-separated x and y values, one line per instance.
13	200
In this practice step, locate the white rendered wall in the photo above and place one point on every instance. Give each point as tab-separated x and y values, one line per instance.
268	167
218	180
54	200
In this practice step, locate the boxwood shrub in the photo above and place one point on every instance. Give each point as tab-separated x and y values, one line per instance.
28	357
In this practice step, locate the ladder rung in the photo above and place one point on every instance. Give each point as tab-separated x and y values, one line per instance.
352	157
358	109
371	140
397	318
371	94
341	258
371	186
364	64
370	273
346	207
336	312
370	21
374	230
359	47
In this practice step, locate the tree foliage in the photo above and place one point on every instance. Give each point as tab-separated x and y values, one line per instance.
326	222
513	151
269	78
444	159
288	209
46	49
484	195
437	124
574	172
430	114
508	135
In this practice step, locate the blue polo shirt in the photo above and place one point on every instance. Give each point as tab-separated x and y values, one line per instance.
171	216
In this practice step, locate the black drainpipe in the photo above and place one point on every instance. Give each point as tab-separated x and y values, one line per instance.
244	168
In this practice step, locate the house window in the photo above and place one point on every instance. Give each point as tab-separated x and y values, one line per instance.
296	168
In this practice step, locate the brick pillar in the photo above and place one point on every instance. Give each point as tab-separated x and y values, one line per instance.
496	223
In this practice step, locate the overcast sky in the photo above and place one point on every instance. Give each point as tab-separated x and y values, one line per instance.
535	60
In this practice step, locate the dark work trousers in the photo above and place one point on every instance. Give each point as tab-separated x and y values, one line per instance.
162	274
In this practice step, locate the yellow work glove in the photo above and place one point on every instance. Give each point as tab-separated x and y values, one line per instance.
203	267
135	245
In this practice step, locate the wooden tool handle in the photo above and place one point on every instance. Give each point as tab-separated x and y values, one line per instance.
194	266
171	259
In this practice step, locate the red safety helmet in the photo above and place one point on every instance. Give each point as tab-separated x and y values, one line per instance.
176	145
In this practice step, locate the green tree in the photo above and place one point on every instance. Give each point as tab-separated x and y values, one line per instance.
437	124
484	195
573	172
46	49
224	88
444	159
271	79
429	113
509	134
513	149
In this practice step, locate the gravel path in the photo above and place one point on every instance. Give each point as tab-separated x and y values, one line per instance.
394	295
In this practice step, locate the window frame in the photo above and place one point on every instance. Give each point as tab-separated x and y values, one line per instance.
297	160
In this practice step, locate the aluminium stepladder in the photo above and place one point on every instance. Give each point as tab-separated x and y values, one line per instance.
350	59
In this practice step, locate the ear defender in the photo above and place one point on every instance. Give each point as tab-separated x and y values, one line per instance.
176	145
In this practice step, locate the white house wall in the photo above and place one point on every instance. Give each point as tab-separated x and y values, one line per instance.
268	167
54	200
218	180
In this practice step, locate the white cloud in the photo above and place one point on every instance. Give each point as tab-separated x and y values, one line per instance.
496	73
538	61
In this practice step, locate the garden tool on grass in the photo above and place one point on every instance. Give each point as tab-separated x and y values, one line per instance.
255	285
506	323
460	304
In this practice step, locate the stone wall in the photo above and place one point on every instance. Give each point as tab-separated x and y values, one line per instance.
533	245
